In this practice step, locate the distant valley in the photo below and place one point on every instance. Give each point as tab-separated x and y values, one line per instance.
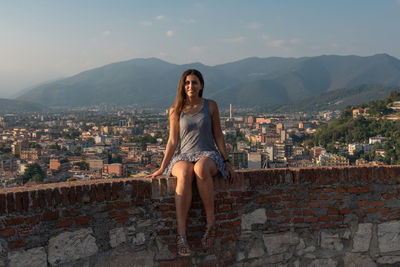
252	82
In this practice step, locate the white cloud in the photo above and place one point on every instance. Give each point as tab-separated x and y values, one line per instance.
253	25
276	43
106	33
295	41
146	23
265	36
198	49
170	33
239	39
189	21
160	17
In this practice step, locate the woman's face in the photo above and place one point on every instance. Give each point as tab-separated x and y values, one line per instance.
192	86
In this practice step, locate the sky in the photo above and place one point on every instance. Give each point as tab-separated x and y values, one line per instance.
41	41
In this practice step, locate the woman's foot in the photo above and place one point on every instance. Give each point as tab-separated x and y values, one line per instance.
208	237
182	246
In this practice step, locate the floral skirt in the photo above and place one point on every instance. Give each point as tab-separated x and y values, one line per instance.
195	156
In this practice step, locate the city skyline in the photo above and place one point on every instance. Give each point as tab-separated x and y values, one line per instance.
46	40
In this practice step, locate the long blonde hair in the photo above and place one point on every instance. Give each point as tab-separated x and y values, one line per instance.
181	94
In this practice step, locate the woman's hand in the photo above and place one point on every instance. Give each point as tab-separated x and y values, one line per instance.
232	175
155	174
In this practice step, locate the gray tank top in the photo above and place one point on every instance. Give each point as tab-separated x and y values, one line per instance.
195	131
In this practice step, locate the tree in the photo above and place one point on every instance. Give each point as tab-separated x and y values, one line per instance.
33	172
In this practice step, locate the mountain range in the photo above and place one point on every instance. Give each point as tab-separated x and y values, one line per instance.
262	82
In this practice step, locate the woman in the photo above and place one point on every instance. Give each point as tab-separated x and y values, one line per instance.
194	129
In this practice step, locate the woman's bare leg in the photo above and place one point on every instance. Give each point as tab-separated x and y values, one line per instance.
205	169
183	171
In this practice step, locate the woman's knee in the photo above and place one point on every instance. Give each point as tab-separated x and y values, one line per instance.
205	168
183	171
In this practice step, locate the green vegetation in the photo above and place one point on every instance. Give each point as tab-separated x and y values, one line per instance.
346	129
33	172
83	165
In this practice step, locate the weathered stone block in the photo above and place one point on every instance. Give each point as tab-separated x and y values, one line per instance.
358	260
323	262
309	249
256	250
117	237
331	241
257	216
163	252
279	243
362	237
34	257
130	258
389	236
388	259
70	246
139	239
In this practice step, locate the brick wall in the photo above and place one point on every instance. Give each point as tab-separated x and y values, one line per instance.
307	216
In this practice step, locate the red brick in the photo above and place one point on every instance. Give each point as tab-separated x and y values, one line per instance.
72	195
345	211
224	208
26	230
100	193
65	223
364	189
313	197
236	222
122	204
301	204
49	198
229	201
323	197
163	232
3	203
32	220
388	196
284	228
167	214
82	220
371	210
64	196
333	211
289	205
122	219
324	219
50	215
286	213
337	218
18	201
326	205
385	210
69	213
336	197
10	202
352	190
165	207
117	213
7	232
311	219
33	197
221	195
313	204
57	197
287	198
297	212
377	203
19	243
298	220
338	204
175	263
13	221
272	214
363	203
308	213
315	227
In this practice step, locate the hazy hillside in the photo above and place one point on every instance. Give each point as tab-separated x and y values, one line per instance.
15	106
337	99
249	82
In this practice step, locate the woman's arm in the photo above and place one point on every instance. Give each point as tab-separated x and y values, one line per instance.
171	144
219	138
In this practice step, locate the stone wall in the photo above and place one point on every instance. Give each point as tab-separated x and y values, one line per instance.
280	217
